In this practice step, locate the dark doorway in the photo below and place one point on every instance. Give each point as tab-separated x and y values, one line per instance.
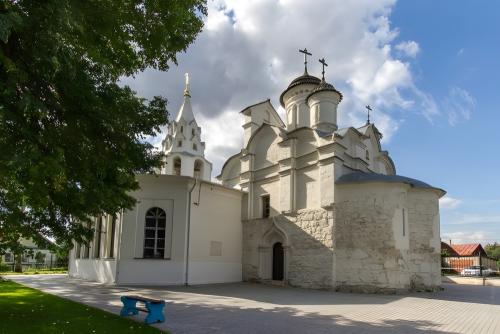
278	262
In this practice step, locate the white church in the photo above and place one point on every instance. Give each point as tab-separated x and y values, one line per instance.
304	203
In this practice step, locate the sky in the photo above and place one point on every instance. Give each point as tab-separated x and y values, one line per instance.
429	69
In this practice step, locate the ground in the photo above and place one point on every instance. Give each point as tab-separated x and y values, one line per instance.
253	308
25	310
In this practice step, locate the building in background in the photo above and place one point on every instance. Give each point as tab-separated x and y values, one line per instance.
457	257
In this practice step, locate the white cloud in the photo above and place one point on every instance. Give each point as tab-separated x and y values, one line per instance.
408	48
449	203
461	237
459	105
475	219
220	139
248	53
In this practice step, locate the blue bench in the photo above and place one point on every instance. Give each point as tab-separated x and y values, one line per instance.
152	306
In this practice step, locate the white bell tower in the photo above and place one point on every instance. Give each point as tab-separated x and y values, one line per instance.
184	150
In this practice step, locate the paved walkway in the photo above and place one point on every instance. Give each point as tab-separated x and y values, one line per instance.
253	308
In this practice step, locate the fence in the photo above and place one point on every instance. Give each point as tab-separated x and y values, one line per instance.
475	265
29	266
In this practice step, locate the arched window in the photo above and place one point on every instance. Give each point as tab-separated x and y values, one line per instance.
316	114
154	233
198	169
177	166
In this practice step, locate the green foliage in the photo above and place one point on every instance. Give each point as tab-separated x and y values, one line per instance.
26	310
493	250
72	138
39	257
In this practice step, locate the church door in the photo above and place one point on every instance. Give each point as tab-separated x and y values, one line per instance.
278	262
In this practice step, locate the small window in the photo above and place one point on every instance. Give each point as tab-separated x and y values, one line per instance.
367	155
195	147
179	143
193	132
198	169
266	206
177	166
182	129
154	233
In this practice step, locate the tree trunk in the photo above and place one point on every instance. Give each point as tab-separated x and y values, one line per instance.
19	267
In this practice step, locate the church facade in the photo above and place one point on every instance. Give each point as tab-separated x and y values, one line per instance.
313	205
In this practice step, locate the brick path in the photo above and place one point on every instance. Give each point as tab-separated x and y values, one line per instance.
253	308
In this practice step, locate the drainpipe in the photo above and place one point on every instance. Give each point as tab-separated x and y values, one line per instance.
188	227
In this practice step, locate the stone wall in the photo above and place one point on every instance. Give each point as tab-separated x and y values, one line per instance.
366	256
384	237
307	239
425	243
378	238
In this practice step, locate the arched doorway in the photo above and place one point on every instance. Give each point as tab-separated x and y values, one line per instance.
278	262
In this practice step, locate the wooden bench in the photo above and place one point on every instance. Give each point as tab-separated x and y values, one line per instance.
152	306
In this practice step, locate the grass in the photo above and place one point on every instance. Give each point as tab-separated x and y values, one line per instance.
26	310
33	271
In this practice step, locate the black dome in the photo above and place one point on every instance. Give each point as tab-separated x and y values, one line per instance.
303	79
324	86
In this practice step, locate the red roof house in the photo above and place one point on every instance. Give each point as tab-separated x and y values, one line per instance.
469	249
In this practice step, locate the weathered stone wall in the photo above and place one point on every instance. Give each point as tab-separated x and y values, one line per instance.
377	238
307	238
367	258
425	243
386	238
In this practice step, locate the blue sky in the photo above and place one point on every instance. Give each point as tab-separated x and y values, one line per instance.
430	69
460	43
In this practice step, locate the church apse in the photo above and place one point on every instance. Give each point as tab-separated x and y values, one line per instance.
339	235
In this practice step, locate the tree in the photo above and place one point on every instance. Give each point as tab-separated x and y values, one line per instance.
493	250
72	138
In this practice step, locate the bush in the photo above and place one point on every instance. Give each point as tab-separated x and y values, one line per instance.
5	267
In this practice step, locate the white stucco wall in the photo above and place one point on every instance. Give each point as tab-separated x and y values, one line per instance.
103	271
216	235
170	194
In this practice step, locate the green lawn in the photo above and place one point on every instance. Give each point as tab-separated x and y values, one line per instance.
26	310
33	271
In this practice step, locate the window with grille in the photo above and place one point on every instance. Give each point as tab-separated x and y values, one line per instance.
266	206
154	233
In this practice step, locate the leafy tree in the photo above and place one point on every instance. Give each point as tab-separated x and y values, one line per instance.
71	138
493	250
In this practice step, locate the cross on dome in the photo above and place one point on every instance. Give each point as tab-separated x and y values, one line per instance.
323	62
306	53
368	109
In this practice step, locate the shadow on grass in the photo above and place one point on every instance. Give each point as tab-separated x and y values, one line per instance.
26	310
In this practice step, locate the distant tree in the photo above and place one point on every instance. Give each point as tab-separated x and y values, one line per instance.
71	137
493	250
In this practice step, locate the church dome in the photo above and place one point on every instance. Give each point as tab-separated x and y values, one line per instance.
322	87
303	79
